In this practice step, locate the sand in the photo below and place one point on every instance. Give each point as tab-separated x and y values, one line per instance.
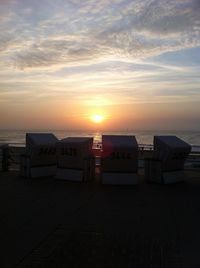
49	223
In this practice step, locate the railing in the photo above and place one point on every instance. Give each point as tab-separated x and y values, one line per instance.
10	155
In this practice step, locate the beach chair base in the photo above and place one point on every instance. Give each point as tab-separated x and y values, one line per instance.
46	171
153	170
28	171
154	173
173	176
69	174
119	178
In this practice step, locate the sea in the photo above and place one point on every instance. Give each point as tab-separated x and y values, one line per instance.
17	137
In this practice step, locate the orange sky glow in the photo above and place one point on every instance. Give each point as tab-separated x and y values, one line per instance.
61	64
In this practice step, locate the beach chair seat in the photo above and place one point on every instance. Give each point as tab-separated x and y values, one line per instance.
75	161
119	160
40	157
167	164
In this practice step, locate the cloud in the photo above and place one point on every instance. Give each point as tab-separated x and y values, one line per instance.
107	84
6	41
158	27
168	17
162	17
56	52
74	35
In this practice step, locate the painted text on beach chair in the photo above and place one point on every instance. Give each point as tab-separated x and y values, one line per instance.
119	160
75	159
169	156
40	157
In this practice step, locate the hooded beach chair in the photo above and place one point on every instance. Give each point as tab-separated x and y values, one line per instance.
75	159
119	160
40	157
167	164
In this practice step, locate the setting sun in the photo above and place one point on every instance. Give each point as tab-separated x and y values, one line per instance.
97	118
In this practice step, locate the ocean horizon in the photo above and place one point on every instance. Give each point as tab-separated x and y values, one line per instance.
143	137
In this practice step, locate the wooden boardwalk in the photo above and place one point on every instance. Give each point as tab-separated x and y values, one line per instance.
49	223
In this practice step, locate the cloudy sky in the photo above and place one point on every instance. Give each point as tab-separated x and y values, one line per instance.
135	62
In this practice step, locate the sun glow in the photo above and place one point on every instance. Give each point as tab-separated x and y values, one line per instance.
97	118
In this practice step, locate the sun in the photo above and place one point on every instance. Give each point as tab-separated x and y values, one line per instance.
97	118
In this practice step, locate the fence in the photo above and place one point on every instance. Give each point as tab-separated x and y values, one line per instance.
10	155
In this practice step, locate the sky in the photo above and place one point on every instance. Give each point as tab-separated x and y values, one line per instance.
135	63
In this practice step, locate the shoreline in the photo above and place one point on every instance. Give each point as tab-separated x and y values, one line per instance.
143	137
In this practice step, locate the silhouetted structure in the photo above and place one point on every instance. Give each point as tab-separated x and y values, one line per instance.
167	164
119	160
75	159
40	157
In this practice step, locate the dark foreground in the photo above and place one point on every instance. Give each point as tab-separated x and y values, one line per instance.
49	223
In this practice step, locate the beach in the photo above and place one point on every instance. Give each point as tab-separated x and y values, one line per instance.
52	223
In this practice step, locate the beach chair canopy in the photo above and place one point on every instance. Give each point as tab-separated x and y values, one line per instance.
37	139
76	146
40	138
120	153
119	141
172	151
85	142
41	147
